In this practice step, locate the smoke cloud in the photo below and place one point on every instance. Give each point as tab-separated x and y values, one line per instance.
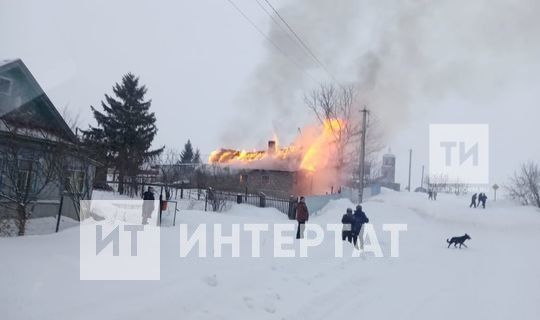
402	56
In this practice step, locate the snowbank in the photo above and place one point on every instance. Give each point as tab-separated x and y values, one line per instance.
497	277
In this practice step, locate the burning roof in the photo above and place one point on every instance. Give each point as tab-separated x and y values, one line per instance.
313	150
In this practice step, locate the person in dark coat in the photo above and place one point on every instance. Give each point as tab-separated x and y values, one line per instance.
360	219
430	195
473	201
483	200
148	205
479	201
302	215
347	220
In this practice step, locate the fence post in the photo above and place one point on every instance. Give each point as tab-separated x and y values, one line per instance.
160	204
59	211
206	201
262	200
292	208
175	210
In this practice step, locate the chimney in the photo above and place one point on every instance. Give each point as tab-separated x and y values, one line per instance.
271	147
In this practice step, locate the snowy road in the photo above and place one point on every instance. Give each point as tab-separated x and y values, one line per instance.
497	277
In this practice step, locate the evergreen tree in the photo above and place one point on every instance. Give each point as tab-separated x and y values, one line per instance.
92	141
197	157
126	128
186	156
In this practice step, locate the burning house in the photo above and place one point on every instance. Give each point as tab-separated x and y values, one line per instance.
306	167
269	171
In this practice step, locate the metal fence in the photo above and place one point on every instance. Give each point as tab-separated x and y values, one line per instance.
259	200
214	198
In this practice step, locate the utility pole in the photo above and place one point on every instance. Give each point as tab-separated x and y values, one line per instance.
410	161
422	180
362	155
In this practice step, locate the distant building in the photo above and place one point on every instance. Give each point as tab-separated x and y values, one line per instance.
388	172
388	169
32	132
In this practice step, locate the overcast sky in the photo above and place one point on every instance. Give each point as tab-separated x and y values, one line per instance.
214	79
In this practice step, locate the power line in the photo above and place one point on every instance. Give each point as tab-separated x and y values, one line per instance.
302	43
267	38
280	25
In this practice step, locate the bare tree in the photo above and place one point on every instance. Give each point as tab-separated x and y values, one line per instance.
26	173
525	184
217	200
334	108
72	119
438	182
337	108
169	169
75	172
374	173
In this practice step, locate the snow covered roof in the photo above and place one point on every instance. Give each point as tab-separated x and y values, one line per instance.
6	61
43	107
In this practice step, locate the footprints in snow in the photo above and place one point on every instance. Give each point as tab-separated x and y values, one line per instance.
211	281
267	304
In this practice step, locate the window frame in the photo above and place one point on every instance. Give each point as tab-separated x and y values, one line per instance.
72	174
9	87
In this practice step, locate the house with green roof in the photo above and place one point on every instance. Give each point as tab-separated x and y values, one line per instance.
44	170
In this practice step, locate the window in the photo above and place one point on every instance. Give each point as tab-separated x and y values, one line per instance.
243	178
388	161
74	181
265	179
26	176
5	86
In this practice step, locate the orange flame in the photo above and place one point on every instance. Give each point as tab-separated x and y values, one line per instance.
313	150
320	151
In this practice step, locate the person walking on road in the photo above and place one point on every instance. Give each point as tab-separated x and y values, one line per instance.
347	220
360	219
473	201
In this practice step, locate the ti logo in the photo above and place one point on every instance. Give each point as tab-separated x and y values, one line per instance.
459	152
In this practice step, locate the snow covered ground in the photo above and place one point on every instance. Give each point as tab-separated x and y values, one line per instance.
497	277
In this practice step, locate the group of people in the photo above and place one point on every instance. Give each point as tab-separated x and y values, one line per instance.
352	223
478	199
432	194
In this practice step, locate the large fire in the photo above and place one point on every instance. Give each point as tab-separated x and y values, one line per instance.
313	150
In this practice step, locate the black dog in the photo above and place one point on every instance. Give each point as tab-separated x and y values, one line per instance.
458	240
